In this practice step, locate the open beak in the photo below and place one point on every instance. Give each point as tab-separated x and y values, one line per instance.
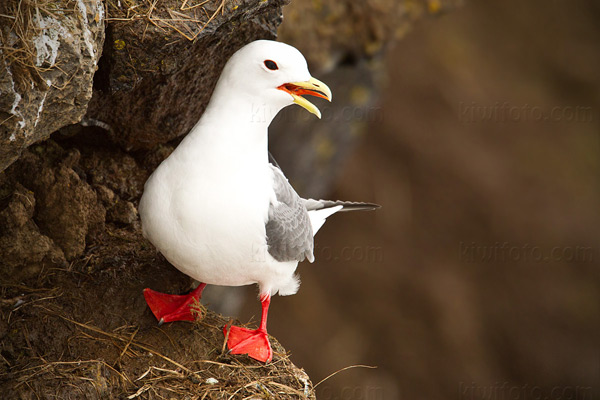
313	87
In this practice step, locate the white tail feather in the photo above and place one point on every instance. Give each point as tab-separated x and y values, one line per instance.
318	217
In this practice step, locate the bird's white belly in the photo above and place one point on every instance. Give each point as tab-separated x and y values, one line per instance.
215	236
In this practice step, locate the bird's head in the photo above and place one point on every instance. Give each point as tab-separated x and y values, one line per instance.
273	73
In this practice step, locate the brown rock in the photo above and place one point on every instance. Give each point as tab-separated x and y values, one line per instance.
154	82
67	208
123	212
117	171
21	243
48	59
105	195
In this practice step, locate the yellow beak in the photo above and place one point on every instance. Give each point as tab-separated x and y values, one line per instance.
313	87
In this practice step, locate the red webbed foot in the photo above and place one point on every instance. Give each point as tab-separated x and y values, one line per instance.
172	307
253	342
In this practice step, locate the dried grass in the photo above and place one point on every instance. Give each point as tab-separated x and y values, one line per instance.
237	378
189	18
17	31
18	27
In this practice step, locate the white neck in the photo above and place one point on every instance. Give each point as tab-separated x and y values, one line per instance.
244	109
235	127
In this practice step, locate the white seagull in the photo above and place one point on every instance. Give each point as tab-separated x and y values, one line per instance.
220	209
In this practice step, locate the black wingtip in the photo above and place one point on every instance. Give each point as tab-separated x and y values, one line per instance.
346	205
355	206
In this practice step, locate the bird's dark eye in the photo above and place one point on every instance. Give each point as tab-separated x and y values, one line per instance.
272	65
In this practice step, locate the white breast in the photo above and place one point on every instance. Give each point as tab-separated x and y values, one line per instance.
209	220
206	224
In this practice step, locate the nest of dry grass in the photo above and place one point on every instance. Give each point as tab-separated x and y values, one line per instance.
189	18
163	377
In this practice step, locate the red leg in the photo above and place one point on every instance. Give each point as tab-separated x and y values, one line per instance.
255	342
172	307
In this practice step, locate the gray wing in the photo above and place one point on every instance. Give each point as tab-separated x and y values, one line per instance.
289	232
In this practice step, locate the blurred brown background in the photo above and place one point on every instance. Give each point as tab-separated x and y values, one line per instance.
479	278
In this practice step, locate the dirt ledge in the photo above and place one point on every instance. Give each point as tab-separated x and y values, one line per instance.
84	331
74	324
